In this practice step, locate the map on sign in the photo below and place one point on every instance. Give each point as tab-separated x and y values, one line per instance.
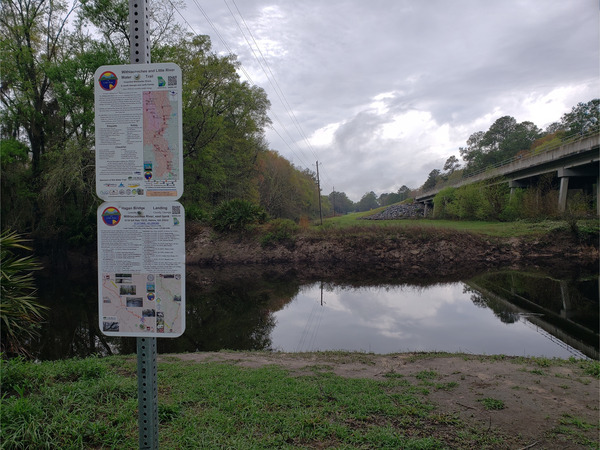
142	303
141	269
138	122
161	155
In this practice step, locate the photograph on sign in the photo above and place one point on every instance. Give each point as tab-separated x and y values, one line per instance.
141	269
138	121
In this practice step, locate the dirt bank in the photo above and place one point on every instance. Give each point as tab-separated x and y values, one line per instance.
422	253
534	402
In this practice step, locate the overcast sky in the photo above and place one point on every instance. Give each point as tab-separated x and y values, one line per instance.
381	92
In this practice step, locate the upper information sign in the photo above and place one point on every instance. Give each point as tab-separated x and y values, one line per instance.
139	143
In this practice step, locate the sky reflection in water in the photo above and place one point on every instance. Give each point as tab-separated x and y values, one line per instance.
399	319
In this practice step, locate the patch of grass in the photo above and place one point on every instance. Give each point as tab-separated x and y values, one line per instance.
568	419
591	368
572	427
426	375
446	386
490	403
92	403
498	229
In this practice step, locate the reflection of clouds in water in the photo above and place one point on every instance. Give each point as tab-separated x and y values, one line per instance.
388	319
353	318
394	311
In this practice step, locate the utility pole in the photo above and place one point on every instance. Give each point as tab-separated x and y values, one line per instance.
333	201
319	192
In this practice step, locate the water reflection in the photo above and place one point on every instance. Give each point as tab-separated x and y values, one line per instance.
510	313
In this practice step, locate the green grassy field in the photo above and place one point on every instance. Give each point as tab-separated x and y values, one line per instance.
499	229
92	403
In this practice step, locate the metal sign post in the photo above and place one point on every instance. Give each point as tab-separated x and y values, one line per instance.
141	226
139	53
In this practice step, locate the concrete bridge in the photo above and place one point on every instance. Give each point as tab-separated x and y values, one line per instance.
575	163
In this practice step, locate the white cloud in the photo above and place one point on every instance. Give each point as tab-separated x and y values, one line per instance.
386	90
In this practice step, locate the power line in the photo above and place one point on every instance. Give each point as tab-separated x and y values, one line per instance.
273	83
271	78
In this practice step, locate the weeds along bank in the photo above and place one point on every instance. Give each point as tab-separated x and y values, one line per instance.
416	250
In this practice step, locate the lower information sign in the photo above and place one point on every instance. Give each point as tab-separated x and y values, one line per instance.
141	269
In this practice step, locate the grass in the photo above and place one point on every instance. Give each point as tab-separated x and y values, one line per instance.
495	229
491	404
92	403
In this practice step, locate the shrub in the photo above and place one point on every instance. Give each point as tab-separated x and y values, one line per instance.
237	215
193	212
496	198
469	202
20	313
442	203
279	230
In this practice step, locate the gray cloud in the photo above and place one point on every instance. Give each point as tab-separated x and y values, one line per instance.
388	89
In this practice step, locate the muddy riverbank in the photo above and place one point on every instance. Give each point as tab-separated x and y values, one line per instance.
416	253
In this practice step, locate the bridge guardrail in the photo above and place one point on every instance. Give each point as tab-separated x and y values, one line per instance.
522	156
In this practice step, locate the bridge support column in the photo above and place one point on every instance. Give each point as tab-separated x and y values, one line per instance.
562	195
514	185
598	195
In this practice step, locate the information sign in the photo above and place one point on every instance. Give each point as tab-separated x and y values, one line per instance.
141	269
139	143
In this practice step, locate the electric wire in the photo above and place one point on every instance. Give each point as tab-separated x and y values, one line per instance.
271	78
274	84
264	65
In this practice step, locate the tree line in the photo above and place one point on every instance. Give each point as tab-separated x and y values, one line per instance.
49	53
506	138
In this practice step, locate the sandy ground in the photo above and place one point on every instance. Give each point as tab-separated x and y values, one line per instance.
547	404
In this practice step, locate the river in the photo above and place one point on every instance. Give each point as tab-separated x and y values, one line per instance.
517	313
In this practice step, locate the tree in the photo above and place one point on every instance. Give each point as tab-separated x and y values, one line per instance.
500	130
404	193
521	138
473	153
582	118
340	202
285	192
451	164
223	125
432	179
31	36
368	202
110	19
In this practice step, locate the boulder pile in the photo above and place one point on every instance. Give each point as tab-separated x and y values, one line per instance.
411	211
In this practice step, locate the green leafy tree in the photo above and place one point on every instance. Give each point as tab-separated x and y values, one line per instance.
285	191
432	179
223	125
340	203
583	118
442	203
451	164
404	193
31	36
368	202
473	153
521	138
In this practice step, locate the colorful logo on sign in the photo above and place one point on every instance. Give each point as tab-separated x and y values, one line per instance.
148	175
111	216
108	81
